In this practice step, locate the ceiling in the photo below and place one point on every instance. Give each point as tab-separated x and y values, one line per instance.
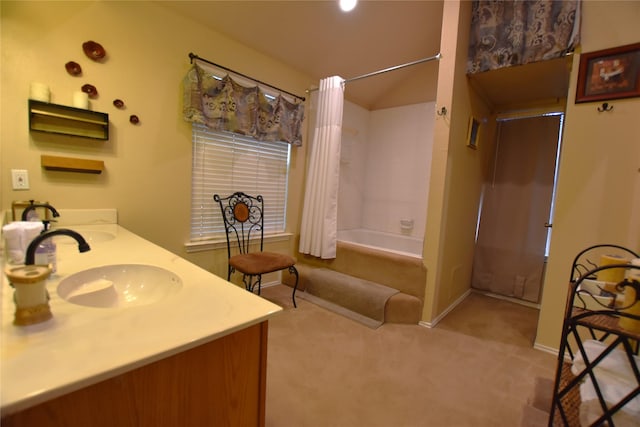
318	39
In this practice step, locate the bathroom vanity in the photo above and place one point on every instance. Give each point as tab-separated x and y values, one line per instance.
193	357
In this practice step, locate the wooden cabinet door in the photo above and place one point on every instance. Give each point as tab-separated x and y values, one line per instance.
220	383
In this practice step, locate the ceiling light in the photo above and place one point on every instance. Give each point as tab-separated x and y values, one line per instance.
348	5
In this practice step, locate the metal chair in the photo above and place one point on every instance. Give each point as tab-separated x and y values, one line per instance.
243	217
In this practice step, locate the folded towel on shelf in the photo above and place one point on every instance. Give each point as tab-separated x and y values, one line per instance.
590	411
17	236
615	378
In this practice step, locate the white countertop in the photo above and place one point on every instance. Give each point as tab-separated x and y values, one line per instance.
82	345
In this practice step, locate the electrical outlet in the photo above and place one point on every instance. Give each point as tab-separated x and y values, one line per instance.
20	179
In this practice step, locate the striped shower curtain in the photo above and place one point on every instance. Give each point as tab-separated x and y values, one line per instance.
320	211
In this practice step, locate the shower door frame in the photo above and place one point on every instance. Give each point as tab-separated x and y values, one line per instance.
549	222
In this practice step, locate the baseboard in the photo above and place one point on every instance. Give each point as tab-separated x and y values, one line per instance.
441	316
545	348
272	283
510	299
551	350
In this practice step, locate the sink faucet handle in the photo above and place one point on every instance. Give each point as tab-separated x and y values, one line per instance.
83	246
33	205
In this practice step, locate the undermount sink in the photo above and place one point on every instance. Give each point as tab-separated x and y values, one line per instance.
119	285
91	236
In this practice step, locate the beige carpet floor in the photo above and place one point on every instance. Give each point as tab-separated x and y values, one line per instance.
476	368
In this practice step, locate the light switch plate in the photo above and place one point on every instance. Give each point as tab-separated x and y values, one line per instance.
20	179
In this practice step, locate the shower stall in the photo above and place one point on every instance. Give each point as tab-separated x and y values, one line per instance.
379	168
385	166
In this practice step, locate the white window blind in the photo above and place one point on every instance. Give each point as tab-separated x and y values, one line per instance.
223	163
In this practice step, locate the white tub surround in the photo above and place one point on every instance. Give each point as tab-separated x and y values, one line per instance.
81	346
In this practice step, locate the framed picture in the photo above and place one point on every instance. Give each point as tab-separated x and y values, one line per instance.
609	74
473	133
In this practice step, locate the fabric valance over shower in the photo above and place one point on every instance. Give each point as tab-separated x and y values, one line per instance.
517	32
220	102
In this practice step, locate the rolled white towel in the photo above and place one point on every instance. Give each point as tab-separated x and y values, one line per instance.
12	234
31	230
18	235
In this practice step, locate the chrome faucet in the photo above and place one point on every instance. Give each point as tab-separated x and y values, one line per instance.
83	246
32	206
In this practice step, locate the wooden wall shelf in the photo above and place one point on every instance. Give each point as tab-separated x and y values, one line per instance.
60	119
69	164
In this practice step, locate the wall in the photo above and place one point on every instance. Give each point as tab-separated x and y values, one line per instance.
385	167
398	168
353	151
598	198
456	172
148	166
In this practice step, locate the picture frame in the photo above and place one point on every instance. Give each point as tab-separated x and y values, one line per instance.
473	134
609	74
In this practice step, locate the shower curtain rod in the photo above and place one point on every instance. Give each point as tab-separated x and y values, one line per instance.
193	56
396	67
386	70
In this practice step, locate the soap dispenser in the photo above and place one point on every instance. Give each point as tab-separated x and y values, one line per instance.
46	251
30	293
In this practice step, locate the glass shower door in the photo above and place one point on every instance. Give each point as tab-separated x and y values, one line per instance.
513	228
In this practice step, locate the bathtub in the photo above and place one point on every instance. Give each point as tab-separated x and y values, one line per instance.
368	255
388	242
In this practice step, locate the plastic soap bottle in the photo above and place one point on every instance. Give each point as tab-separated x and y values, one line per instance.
32	215
46	251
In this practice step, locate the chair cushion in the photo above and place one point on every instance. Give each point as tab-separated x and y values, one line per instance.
261	262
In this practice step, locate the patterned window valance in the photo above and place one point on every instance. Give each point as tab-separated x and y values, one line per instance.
516	32
220	102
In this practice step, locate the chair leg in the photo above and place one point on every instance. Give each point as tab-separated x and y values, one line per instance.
249	284
259	283
293	270
229	271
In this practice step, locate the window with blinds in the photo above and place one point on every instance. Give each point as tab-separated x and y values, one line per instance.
223	163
